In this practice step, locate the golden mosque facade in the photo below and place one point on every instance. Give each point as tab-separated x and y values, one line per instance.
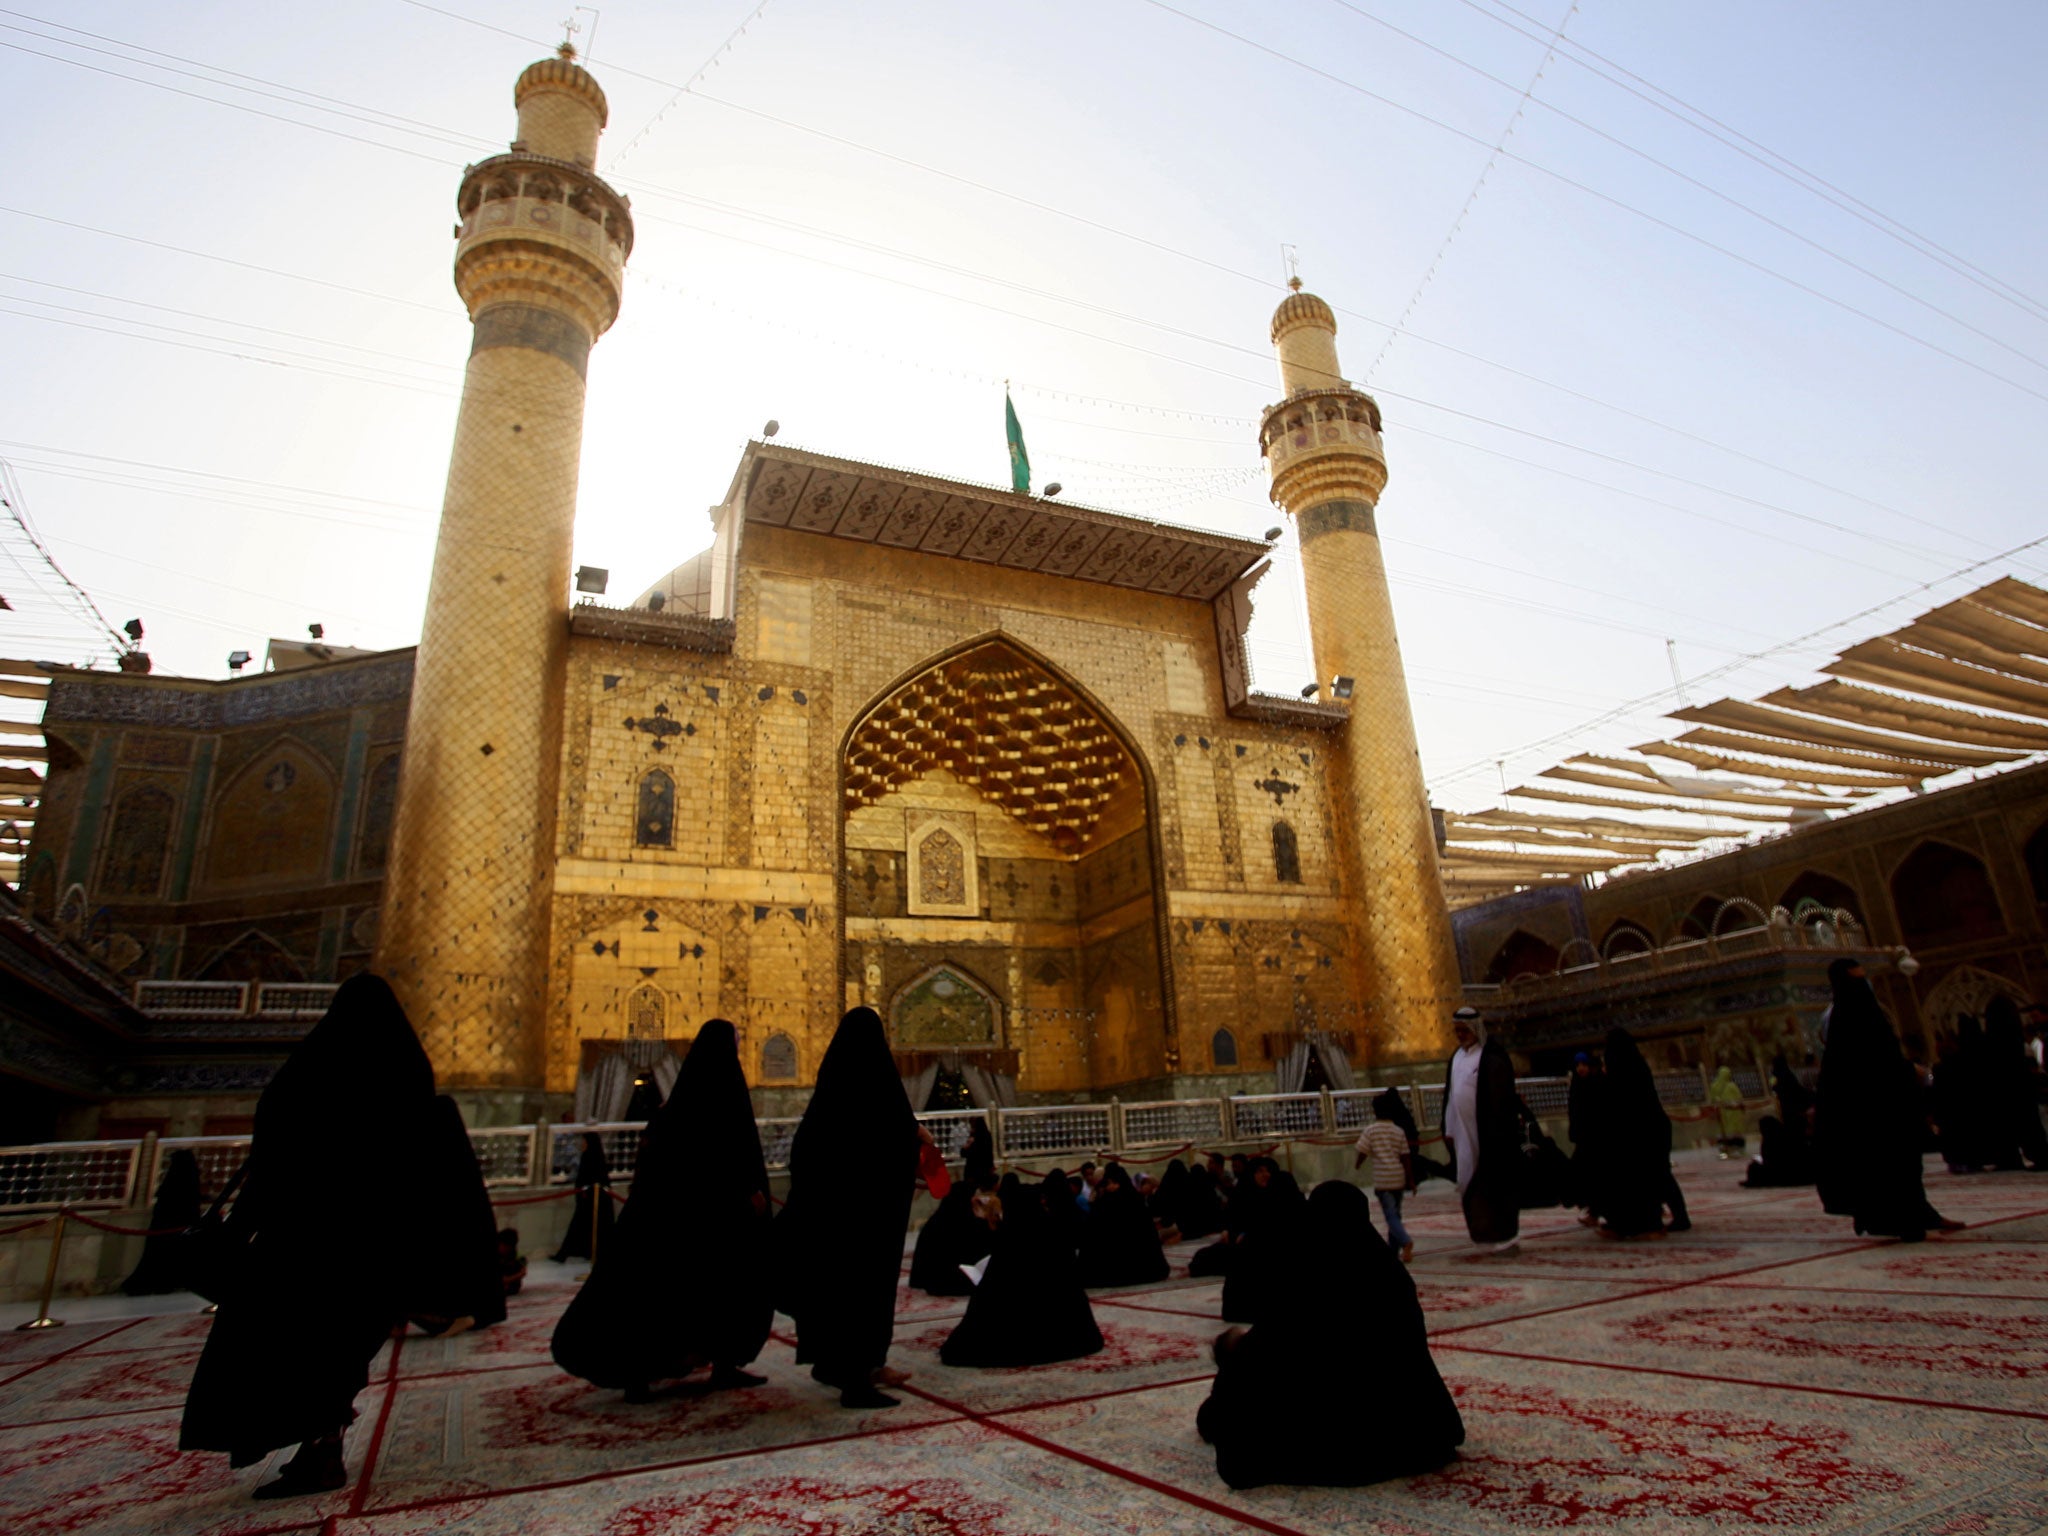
989	762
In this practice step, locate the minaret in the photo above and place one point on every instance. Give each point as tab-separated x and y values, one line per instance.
1322	446
540	259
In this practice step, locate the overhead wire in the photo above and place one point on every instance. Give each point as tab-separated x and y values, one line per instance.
1472	197
1611	200
435	8
1124	234
1813	182
1692	181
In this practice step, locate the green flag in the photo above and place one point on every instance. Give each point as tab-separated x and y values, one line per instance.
1020	461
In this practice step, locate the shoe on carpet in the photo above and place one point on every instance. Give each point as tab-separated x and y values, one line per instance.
866	1397
1407	1253
317	1468
1512	1245
1683	1224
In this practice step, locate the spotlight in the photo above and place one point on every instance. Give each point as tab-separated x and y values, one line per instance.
772	428
656	601
133	630
1052	488
592	578
1311	690
1340	687
317	631
237	660
1273	534
1908	966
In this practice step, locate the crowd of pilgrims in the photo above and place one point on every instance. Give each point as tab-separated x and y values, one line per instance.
693	1268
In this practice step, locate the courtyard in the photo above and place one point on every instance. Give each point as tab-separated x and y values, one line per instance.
1766	1370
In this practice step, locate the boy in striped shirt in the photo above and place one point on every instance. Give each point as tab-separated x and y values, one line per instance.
1386	1143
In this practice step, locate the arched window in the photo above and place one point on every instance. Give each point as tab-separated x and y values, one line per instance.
1626	938
654	823
380	802
778	1058
1699	922
1944	896
2037	862
1286	855
1813	890
138	843
647	1014
274	822
1522	954
1223	1049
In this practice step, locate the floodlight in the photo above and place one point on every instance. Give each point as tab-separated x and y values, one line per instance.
772	428
1311	690
1273	534
237	660
133	630
592	578
317	631
1052	488
1340	687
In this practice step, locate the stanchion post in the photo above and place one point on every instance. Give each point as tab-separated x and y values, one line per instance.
43	1318
540	1157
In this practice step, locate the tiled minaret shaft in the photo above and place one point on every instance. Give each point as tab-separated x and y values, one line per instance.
1322	447
539	260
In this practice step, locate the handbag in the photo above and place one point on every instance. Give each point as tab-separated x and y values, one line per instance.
211	1253
931	1165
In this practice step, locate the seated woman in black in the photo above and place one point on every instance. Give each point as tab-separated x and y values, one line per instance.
951	1236
1029	1308
1268	1249
1119	1244
1362	1402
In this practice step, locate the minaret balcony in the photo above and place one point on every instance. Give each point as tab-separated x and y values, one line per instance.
554	200
1302	436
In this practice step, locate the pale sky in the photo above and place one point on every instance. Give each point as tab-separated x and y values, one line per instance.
1699	402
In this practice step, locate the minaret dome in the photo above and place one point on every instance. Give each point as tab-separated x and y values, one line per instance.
1305	333
562	110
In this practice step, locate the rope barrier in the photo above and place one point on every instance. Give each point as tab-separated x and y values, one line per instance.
27	1226
556	1194
80	1216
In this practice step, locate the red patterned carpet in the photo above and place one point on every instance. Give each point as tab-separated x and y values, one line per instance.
1764	1371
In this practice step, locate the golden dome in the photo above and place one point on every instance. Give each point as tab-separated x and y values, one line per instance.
1299	309
563	73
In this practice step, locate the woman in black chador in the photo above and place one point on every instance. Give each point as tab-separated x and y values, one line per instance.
2011	1101
590	1224
839	1239
978	1153
1632	1141
1267	1251
177	1208
457	1281
1298	1401
1030	1308
1868	1121
341	1132
683	1280
951	1236
1119	1244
